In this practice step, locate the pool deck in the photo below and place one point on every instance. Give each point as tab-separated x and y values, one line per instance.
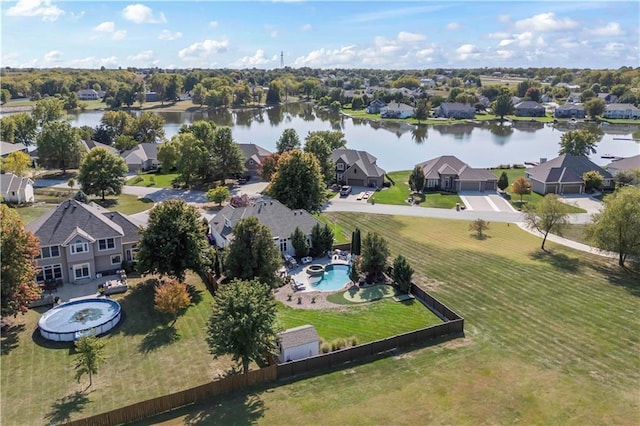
81	290
299	273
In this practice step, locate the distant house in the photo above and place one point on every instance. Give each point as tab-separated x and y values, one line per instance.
88	95
570	111
455	110
607	97
568	86
545	98
563	175
451	174
254	155
428	82
397	110
143	157
15	189
357	168
515	100
298	343
621	111
574	98
7	148
624	164
151	97
529	109
80	241
280	220
91	144
375	106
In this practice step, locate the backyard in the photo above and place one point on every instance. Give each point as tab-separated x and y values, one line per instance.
550	338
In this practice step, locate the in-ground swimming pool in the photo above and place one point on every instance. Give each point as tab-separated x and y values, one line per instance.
71	320
335	277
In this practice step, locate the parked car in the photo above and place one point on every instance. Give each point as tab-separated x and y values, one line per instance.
345	190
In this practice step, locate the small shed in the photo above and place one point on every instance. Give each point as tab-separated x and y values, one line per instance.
298	343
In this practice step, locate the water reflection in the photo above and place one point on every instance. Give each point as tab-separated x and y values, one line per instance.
501	132
459	131
420	133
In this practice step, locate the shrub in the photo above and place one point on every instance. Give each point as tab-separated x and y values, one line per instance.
299	300
289	296
313	299
137	179
519	166
127	266
341	343
353	340
503	166
152	180
325	348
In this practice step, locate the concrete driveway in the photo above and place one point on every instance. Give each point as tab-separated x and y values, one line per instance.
590	204
485	202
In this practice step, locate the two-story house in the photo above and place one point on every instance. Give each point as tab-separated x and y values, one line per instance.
254	155
80	241
455	110
621	111
357	168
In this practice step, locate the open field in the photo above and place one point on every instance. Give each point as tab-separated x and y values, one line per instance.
144	359
551	338
399	192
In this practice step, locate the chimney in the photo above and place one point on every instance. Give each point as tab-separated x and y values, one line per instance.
543	160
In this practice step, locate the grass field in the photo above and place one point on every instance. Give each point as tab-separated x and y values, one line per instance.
144	359
399	192
373	321
550	338
157	180
532	199
339	236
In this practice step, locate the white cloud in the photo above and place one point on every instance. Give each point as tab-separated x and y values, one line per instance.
498	35
213	24
106	27
252	61
525	39
405	37
545	22
53	56
201	51
306	27
505	54
145	56
141	14
327	58
609	30
452	26
41	8
93	62
613	47
168	35
467	51
119	35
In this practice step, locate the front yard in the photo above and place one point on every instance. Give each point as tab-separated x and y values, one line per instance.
153	179
399	192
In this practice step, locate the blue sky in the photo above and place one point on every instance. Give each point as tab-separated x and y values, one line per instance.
320	34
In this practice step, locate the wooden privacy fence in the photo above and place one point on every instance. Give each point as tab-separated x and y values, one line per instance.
151	407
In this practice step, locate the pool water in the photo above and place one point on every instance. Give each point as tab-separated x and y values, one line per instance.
335	277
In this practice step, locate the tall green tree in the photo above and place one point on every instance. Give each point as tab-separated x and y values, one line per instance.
298	182
375	252
7	129
169	154
243	323
416	179
422	110
503	181
335	139
228	160
578	142
59	145
252	253
116	123
192	156
18	248
17	163
402	273
102	172
275	92
299	243
319	147
551	215
148	127
592	180
90	352
48	110
594	107
218	194
321	240
502	105
25	128
288	141
173	240
617	227
356	242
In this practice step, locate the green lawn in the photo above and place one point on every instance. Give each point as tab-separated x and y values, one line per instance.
339	236
533	198
144	360
157	180
550	338
372	321
399	192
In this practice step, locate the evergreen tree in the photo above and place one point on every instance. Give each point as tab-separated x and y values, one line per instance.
503	181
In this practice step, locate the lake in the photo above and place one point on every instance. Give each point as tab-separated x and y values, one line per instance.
399	146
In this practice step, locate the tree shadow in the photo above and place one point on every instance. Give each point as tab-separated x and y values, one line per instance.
627	277
158	337
480	237
372	293
139	299
243	409
557	260
9	338
62	408
196	295
37	338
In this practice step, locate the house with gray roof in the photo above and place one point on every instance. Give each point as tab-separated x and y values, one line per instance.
88	95
280	220
91	144
143	156
529	109
607	97
449	173
16	189
397	110
357	168
563	175
81	241
455	110
254	155
623	165
621	111
375	106
298	343
570	111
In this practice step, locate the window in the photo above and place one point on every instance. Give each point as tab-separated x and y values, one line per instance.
340	166
106	244
81	271
130	254
49	272
116	259
47	252
79	247
339	177
283	245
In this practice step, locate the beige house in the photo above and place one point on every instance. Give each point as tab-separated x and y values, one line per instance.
15	189
357	168
449	173
563	175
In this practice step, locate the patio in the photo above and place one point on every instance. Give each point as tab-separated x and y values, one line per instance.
80	290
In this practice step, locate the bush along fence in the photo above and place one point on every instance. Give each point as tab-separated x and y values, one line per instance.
452	326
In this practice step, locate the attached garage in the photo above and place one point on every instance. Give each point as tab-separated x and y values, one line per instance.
571	189
355	182
475	185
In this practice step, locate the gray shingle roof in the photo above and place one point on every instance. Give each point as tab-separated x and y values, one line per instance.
298	336
529	105
570	107
565	169
10	183
55	226
629	163
449	164
130	228
145	151
89	145
456	106
280	219
253	151
366	162
7	148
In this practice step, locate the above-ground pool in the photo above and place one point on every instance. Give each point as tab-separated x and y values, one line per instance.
71	320
335	277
